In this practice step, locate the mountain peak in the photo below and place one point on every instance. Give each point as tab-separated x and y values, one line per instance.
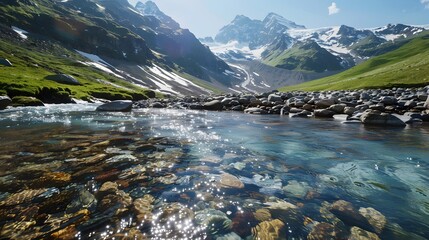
276	19
149	7
241	18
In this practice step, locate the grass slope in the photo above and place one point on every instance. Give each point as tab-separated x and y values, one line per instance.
307	56
32	64
406	66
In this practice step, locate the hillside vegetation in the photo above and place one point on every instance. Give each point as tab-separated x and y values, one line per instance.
406	66
34	63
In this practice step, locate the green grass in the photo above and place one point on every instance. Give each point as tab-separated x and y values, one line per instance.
31	66
201	83
307	56
407	66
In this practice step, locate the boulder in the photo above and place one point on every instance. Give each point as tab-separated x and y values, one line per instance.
338	108
323	113
116	106
157	105
346	212
360	234
214	105
325	103
23	101
349	110
4	102
255	110
64	78
374	117
5	62
375	218
274	98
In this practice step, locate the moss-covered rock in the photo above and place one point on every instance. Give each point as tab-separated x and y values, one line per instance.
24	101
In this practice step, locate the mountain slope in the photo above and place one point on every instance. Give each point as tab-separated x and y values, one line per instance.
148	49
306	56
405	66
34	62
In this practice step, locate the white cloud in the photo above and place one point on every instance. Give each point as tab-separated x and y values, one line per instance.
333	9
425	2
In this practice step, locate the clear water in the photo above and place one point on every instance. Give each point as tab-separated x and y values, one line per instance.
306	162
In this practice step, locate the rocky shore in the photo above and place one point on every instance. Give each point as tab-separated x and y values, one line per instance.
389	107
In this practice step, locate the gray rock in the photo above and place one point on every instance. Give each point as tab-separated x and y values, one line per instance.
64	78
349	110
158	105
426	105
388	100
195	106
274	98
4	102
338	108
214	105
323	113
255	110
116	106
422	96
5	62
325	103
374	117
364	96
410	104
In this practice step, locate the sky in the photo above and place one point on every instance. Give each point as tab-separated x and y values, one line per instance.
206	17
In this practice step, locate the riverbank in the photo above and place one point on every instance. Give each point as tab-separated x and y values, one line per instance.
386	107
390	107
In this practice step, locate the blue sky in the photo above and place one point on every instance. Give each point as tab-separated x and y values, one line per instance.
206	17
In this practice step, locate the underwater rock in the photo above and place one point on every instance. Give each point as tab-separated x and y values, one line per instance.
269	230
375	218
21	197
262	214
84	200
167	179
52	179
324	231
109	187
281	205
242	223
143	207
346	212
230	181
70	232
13	230
122	158
229	236
216	222
297	189
360	234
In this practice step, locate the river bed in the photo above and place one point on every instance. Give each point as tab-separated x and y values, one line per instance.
70	172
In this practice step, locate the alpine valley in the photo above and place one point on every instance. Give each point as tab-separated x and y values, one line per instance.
58	51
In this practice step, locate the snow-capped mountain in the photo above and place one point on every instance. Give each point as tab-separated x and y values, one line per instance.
249	39
149	8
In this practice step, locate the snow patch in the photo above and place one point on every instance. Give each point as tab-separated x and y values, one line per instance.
21	33
99	63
